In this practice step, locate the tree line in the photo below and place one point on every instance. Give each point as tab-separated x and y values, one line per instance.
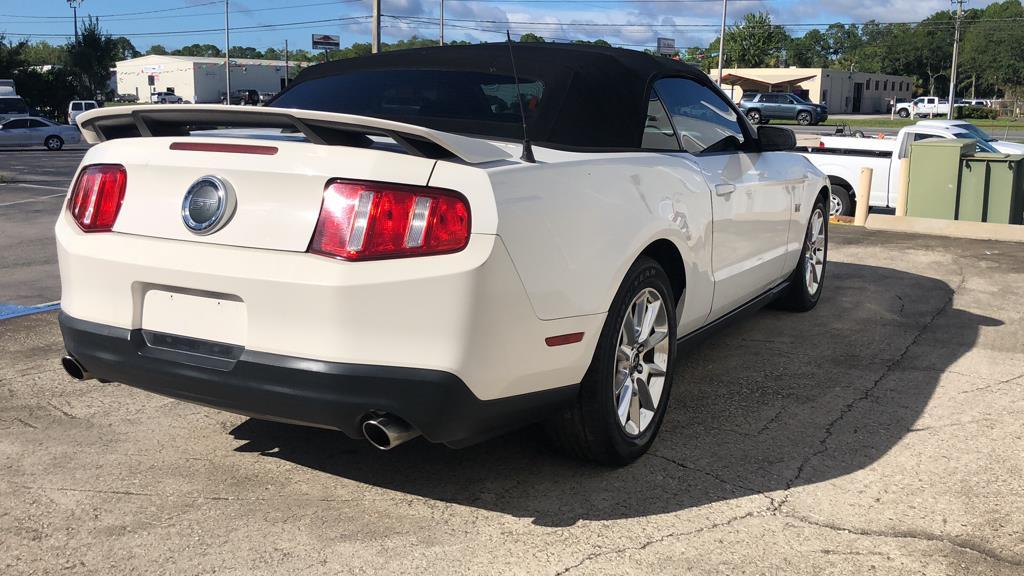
991	49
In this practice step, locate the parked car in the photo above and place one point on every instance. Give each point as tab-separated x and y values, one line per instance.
267	97
12	107
956	126
761	108
31	132
416	280
76	107
244	97
126	98
165	98
979	103
841	158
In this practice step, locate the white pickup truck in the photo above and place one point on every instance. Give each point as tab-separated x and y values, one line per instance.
842	157
923	106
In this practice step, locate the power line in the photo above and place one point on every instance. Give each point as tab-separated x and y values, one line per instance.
119	13
197	15
282	26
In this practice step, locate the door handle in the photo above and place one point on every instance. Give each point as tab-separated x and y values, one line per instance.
724	189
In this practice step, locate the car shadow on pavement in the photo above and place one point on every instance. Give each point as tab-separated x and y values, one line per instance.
774	402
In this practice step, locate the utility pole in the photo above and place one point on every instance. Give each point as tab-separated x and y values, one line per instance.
287	69
74	10
956	53
442	22
721	42
375	39
227	56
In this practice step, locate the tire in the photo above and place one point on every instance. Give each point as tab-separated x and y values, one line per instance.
803	118
53	143
841	203
755	117
800	296
903	113
593	429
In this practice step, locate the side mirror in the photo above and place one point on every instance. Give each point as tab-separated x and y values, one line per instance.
775	139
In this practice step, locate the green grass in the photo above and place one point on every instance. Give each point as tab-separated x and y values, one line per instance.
900	123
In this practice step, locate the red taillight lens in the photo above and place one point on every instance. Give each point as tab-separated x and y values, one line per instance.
365	220
97	197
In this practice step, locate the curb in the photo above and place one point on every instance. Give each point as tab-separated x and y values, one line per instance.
949	228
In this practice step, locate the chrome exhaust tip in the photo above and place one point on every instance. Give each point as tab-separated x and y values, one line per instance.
386	432
74	368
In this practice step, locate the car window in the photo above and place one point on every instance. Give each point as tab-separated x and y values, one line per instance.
15	124
658	131
76	106
700	116
36	124
456	100
90	105
13	106
749	97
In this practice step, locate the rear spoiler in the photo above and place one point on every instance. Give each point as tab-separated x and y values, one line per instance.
324	128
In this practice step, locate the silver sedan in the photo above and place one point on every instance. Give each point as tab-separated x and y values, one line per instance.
31	132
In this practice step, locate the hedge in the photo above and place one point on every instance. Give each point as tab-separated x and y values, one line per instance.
975	113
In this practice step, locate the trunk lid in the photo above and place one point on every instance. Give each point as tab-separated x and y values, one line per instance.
276	197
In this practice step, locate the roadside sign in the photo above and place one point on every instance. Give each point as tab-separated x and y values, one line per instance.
666	46
326	42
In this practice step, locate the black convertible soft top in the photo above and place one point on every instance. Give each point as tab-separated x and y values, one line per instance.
593	96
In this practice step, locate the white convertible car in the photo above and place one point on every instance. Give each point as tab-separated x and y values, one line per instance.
379	251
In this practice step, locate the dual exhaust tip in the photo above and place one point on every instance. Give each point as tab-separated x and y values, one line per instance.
383	432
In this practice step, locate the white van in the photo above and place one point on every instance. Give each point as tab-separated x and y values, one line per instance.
76	107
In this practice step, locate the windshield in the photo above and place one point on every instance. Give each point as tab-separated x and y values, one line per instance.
13	106
976	132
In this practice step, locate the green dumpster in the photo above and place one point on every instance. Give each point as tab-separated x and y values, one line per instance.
935	166
992	188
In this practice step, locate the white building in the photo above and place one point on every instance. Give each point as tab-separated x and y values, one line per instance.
842	91
197	79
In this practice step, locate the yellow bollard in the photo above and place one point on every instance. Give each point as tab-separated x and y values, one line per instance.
903	187
863	197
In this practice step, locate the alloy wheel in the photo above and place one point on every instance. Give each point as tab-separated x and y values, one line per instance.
836	206
814	252
641	362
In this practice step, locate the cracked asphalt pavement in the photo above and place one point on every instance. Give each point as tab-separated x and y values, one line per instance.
879	434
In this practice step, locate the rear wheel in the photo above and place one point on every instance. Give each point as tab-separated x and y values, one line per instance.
803	118
624	395
754	116
53	143
807	279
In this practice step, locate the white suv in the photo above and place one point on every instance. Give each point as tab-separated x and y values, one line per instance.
165	98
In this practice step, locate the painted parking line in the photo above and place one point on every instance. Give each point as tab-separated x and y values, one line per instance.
37	199
8	311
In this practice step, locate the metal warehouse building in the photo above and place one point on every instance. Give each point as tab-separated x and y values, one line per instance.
197	79
842	91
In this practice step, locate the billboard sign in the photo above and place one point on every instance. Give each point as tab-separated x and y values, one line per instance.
666	46
326	42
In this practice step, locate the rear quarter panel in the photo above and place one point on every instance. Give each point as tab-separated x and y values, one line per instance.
573	227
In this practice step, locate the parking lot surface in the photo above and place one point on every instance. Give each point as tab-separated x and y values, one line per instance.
878	434
33	183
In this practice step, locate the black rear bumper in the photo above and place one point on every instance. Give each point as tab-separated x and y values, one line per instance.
301	391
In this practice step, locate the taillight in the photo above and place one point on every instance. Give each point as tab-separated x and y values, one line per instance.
367	220
97	197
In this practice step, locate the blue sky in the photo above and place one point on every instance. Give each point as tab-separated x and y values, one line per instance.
627	23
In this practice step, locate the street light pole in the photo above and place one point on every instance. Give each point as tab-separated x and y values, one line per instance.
74	10
227	56
721	42
956	53
442	22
